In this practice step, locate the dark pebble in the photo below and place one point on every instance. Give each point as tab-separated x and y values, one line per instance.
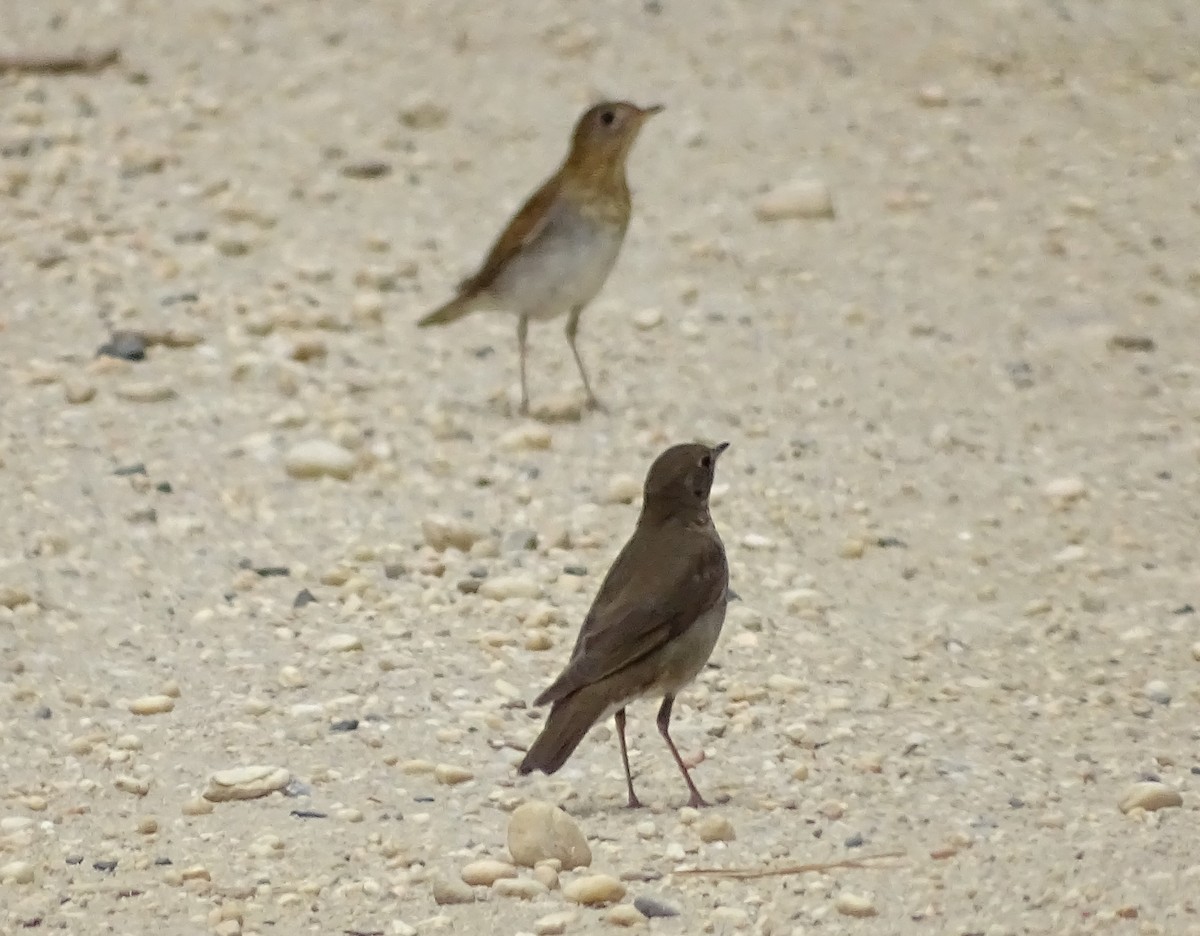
164	487
520	540
393	570
345	724
653	907
574	570
367	169
42	712
74	859
303	597
854	841
891	542
309	814
106	866
137	468
163	862
468	586
1184	609
273	571
125	345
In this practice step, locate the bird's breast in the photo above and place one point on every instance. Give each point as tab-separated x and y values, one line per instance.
564	267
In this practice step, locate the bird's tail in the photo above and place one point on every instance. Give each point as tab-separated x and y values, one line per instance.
568	723
452	311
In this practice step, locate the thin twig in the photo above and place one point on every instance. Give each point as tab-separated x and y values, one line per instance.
59	63
746	874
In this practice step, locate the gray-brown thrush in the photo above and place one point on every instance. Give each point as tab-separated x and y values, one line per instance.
655	620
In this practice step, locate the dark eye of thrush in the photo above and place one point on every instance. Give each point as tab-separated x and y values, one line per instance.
706	461
607	117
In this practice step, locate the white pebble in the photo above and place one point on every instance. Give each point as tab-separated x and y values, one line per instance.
152	705
554	924
528	438
318	458
442	533
17	872
451	775
450	891
623	489
1063	492
538	830
715	829
486	872
854	905
146	392
625	915
646	319
342	643
1149	795
241	783
520	888
800	198
1158	691
594	890
510	586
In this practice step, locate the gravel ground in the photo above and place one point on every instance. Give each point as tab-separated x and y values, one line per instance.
960	506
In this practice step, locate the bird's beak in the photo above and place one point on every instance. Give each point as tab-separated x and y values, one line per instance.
648	112
718	449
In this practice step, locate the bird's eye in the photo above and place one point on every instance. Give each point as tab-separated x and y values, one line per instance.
607	117
706	461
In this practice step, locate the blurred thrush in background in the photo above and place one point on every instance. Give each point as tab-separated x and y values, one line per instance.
558	250
654	622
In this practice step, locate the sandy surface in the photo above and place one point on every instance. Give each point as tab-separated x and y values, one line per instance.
963	522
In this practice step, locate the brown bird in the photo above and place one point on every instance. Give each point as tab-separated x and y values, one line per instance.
557	251
654	622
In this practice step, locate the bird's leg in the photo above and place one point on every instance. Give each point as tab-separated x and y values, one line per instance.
572	331
634	802
522	342
696	801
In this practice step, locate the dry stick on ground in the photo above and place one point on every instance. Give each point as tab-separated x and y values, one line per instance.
59	63
747	874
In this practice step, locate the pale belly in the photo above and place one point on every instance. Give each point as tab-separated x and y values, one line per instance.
685	656
562	270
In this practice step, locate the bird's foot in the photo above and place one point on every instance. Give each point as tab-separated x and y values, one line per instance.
634	802
696	801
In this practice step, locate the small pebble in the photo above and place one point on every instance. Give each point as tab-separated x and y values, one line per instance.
653	907
442	533
448	891
1062	492
1149	795
932	95
802	198
77	392
146	392
528	438
594	890
125	346
538	831
520	888
646	319
152	705
318	458
342	643
854	905
17	872
715	829
623	489
135	786
486	872
1158	691
554	924
451	775
242	783
509	586
625	915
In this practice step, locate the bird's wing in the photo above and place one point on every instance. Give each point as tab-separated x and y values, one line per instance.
656	602
525	227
